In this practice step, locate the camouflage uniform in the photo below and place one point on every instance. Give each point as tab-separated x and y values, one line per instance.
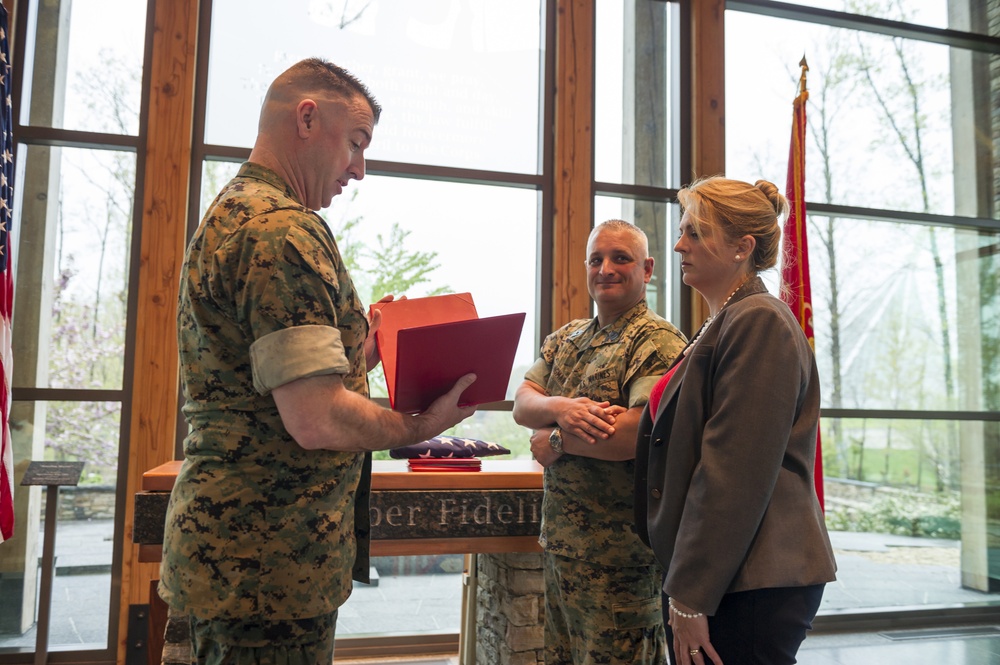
602	582
258	528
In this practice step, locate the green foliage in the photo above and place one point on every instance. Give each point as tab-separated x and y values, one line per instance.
497	427
910	454
989	268
993	502
86	353
493	426
901	513
395	269
389	268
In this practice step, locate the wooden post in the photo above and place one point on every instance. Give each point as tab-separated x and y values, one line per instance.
708	117
574	161
164	232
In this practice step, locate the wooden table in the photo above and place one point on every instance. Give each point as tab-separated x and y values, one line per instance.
497	509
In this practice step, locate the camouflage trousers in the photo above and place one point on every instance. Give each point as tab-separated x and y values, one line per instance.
602	615
236	642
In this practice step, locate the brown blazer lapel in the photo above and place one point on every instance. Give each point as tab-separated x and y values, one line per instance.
641	474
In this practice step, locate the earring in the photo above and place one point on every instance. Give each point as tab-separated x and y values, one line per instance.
737	257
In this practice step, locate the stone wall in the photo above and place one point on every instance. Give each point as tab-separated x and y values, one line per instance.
510	609
86	502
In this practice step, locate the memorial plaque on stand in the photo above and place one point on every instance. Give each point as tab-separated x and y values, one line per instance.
53	473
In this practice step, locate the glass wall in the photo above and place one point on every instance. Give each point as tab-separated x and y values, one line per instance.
76	125
902	208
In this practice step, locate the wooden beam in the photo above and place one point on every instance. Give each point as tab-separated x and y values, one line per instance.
708	116
708	87
574	159
163	235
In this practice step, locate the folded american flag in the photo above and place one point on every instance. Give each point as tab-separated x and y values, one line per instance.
448	446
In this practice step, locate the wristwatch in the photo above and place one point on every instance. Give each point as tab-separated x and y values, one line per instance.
556	441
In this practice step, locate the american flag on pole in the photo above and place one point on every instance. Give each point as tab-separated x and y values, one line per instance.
795	288
6	287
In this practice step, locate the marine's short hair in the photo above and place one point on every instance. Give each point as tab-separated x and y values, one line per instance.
322	75
627	227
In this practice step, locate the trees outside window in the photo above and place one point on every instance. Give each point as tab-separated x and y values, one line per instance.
897	251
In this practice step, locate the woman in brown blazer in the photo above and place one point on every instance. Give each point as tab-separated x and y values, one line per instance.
727	445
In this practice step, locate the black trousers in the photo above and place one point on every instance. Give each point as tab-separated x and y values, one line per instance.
759	627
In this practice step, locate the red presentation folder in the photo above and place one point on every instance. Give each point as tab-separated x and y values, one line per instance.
429	360
427	344
413	312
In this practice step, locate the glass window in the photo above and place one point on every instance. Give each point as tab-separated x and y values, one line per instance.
498	426
71	293
954	14
905	309
912	498
660	222
458	82
882	129
214	176
886	301
72	279
84	65
636	126
74	211
84	532
474	238
409	595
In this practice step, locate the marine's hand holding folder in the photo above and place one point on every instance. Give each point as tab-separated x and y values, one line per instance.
426	344
372	357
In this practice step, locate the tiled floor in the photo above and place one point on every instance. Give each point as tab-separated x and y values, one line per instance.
875	571
972	645
969	645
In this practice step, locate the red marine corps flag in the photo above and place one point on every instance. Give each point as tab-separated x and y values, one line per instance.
795	288
6	288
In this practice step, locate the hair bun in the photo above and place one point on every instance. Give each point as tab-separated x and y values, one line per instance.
777	199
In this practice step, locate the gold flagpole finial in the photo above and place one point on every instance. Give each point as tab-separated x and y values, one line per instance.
802	79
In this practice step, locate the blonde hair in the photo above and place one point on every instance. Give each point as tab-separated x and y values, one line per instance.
735	209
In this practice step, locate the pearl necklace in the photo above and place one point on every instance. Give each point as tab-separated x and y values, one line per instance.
711	319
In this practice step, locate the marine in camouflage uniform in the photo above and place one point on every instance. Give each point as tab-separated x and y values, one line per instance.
269	516
257	526
602	584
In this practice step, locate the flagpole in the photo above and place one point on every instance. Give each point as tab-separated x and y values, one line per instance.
795	282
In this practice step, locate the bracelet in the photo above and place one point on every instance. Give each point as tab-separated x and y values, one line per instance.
686	615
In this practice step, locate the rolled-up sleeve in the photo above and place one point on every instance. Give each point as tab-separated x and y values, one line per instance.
539	372
296	353
639	390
